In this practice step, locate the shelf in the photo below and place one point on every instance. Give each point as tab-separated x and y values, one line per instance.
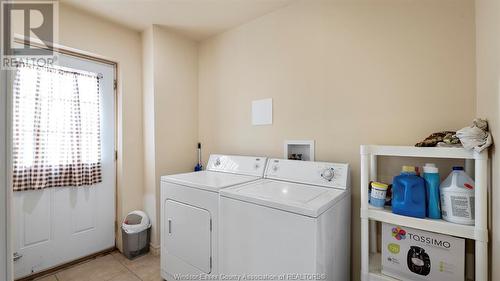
377	276
432	152
477	232
375	273
432	225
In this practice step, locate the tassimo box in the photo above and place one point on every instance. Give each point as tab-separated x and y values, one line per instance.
412	254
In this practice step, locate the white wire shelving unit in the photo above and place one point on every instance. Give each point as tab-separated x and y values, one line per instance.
370	259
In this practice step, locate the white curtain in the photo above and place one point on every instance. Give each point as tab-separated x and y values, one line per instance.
56	128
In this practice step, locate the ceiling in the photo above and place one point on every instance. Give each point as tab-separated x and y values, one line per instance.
197	19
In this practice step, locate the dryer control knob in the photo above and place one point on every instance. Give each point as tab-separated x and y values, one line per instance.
328	174
275	168
217	162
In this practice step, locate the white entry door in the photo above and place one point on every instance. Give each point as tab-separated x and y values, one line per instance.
57	225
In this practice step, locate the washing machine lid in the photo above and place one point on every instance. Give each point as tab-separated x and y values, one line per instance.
209	180
303	199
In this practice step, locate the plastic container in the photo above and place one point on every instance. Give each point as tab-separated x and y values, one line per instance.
377	194
432	180
136	234
408	194
457	197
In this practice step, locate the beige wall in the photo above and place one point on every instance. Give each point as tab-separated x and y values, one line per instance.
170	112
88	33
148	118
342	73
488	105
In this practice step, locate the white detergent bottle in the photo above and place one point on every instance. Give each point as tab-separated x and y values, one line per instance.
457	197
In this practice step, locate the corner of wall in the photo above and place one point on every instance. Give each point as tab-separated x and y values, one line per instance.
149	128
170	112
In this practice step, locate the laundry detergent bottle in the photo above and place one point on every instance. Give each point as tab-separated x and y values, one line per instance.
457	197
431	177
408	197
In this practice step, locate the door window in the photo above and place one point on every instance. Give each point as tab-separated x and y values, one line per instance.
56	128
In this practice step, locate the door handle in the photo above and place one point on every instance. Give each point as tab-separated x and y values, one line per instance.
17	256
169	226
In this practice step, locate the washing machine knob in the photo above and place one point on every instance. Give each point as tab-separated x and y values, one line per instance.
275	168
217	162
328	174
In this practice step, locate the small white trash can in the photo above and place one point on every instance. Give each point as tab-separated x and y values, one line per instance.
136	233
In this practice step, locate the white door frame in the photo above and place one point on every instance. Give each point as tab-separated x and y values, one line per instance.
6	237
6	262
7	265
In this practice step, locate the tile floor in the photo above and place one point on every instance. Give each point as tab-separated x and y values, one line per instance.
111	267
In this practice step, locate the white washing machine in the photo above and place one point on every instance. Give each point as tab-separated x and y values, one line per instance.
189	213
293	225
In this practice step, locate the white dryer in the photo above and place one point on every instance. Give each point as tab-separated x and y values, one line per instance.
293	225
189	213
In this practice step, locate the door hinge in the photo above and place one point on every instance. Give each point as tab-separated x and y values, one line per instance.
116	155
115	84
17	256
210	225
210	262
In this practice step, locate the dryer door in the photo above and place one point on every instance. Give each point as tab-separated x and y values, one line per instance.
187	238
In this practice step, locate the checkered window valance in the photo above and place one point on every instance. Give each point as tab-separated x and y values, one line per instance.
56	128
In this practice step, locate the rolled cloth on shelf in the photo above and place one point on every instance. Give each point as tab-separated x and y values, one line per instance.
477	136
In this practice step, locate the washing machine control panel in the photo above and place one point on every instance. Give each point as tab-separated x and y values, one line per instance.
316	173
244	165
328	174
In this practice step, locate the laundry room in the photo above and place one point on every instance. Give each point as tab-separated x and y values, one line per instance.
249	139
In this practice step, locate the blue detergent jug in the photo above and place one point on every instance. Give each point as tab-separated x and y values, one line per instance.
432	180
408	197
